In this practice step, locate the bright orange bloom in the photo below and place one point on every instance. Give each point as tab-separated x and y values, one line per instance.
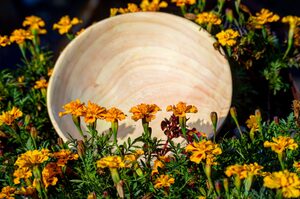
65	24
144	111
227	37
181	109
163	181
75	108
32	158
9	117
22	173
244	171
93	112
252	123
208	18
263	17
4	41
296	165
154	5
35	24
7	192
280	144
63	156
42	83
20	35
49	174
111	162
114	114
181	3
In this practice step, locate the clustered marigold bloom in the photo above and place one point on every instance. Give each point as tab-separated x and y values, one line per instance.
263	17
49	174
4	41
110	162
7	192
159	163
281	143
293	21
208	18
40	84
114	115
25	191
20	35
22	173
203	150
144	111
296	165
35	24
65	24
75	108
63	156
163	181
181	109
154	5
252	123
227	37
181	3
9	117
93	112
287	182
32	158
244	171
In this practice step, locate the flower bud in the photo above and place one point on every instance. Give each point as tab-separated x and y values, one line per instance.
214	119
27	120
80	148
276	120
33	132
226	185
92	195
218	187
258	115
60	142
233	112
229	15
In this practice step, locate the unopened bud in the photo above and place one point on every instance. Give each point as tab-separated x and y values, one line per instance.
33	132
214	119
258	114
190	16
27	120
276	120
229	15
233	112
92	196
218	187
60	142
105	194
226	185
120	189
80	148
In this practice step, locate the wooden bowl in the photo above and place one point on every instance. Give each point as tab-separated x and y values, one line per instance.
138	58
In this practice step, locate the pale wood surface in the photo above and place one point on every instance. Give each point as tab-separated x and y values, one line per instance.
141	58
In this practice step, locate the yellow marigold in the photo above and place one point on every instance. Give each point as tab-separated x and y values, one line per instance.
227	37
20	35
7	192
80	31
50	71
144	111
49	174
131	7
129	159
280	144
163	181
252	123
139	152
202	150
4	41
208	18
293	21
63	156
22	173
287	182
297	37
25	191
32	158
111	162
21	79
244	171
297	166
263	17
35	24
65	24
181	3
154	5
75	108
113	11
9	117
114	114
39	84
157	164
181	109
93	112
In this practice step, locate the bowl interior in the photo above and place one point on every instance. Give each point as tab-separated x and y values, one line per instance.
141	58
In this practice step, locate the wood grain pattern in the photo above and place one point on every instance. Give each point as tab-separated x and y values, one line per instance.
141	58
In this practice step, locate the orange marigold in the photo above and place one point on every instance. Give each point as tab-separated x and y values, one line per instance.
93	112
75	108
163	181
181	109
144	111
114	114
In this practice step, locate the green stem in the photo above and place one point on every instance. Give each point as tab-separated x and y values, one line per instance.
280	155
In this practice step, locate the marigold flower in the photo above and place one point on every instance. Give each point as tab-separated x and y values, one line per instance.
49	174
131	7
263	17
208	18
20	35
144	111
50	72
280	144
35	24
32	158
157	164
65	24
163	181
114	114
181	3
4	41
293	21
111	162
154	5
227	37
296	165
113	11
39	84
244	171
181	109
7	192
75	108
252	123
22	173
203	150
25	191
93	112
9	117
287	182
63	156
80	31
